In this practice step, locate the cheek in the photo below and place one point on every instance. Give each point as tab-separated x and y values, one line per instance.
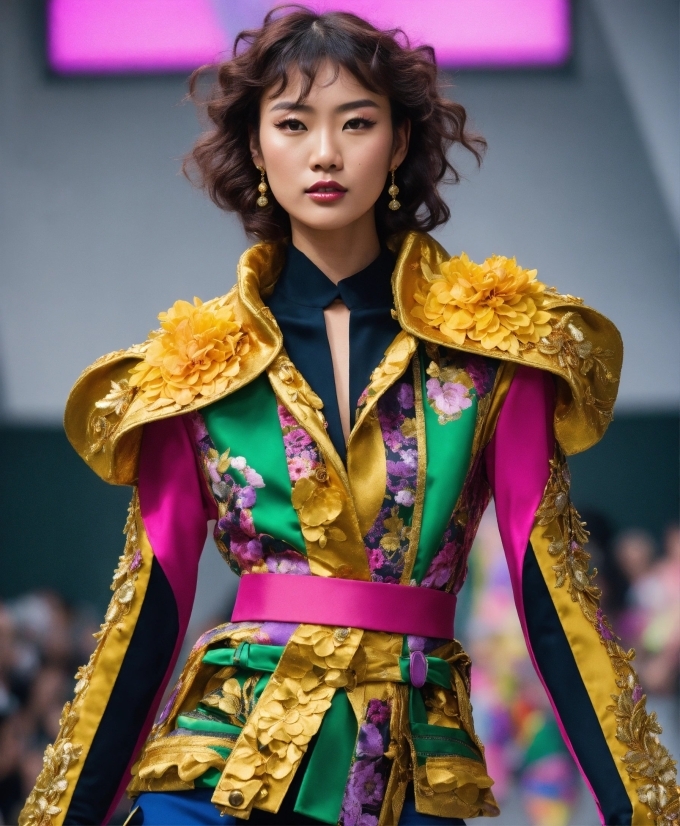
370	161
284	159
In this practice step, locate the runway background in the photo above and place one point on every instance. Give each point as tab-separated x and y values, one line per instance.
99	232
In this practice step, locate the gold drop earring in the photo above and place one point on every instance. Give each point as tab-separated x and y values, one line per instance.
393	191
262	188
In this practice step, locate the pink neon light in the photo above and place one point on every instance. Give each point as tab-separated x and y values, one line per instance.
133	35
178	35
474	33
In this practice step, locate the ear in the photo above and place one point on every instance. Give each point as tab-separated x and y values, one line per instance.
402	135
255	151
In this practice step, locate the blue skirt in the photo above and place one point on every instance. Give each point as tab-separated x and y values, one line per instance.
193	808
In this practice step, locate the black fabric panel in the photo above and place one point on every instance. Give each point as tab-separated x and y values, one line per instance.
560	672
144	666
297	302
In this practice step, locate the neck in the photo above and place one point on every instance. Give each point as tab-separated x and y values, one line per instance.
342	252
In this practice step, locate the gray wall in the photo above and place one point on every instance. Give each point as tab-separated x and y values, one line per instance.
98	231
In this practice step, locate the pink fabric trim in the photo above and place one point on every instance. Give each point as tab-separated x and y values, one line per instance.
517	462
374	606
175	513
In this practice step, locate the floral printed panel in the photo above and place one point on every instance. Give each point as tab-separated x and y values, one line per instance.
388	539
370	769
448	569
234	484
454	378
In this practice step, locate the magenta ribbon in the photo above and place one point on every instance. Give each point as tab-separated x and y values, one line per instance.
373	606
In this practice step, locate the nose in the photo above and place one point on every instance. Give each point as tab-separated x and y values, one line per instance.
326	153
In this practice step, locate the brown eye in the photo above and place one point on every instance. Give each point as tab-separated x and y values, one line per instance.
359	123
291	125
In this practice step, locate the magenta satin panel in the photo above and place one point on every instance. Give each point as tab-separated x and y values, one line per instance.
374	606
175	516
518	467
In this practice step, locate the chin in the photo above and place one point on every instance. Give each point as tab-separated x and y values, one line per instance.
327	218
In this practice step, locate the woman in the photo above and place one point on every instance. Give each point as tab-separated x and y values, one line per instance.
344	414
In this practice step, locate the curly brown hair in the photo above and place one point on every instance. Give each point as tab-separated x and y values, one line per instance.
221	163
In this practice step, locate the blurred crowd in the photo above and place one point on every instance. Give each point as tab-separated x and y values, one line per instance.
43	641
641	596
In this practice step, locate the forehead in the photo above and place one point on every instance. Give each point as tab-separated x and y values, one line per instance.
331	85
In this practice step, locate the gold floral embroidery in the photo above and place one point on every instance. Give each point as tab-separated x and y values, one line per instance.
196	353
397	532
647	761
576	355
108	414
42	803
233	699
318	505
496	303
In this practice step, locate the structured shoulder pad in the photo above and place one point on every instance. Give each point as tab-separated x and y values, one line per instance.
500	310
201	353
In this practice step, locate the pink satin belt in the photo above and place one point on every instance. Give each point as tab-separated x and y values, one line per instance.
373	606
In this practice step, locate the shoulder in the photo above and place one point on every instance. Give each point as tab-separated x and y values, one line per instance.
500	310
200	353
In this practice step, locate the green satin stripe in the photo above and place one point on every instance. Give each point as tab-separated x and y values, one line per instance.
246	655
448	456
247	423
211	777
330	760
438	671
436	740
208	724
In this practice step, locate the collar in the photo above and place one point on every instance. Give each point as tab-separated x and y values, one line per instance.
302	282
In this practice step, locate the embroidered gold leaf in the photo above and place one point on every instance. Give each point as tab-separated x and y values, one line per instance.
647	761
42	803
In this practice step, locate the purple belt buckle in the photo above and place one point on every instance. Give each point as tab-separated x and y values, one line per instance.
418	669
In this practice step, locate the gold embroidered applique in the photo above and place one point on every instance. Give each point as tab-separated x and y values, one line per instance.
576	355
397	532
297	388
108	414
647	761
42	804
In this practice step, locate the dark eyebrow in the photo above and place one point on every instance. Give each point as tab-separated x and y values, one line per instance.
292	106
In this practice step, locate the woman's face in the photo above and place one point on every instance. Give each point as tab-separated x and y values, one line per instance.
328	157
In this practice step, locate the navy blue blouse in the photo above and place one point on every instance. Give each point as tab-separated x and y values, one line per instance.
298	301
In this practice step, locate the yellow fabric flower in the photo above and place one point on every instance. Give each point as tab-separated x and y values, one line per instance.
197	352
497	303
317	506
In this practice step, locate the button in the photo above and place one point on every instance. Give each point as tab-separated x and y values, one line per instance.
341	634
236	798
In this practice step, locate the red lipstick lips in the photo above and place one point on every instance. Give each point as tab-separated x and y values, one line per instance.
326	192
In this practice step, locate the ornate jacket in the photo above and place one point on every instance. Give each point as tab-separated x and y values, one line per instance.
492	381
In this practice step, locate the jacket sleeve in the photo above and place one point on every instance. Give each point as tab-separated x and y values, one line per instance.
118	692
590	681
